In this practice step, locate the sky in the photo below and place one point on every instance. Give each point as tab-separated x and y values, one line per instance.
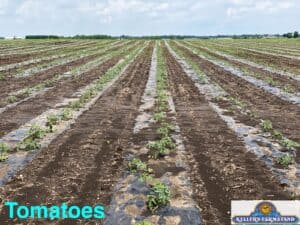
141	17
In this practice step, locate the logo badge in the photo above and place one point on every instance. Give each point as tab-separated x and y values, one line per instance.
265	212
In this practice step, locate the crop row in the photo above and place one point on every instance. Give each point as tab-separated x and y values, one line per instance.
37	132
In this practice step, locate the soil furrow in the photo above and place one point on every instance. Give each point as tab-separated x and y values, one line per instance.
25	45
279	61
223	170
283	80
9	73
4	60
82	165
19	83
284	116
25	111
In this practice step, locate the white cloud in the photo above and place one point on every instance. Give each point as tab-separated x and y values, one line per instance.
37	9
112	9
285	5
240	7
3	5
29	8
144	16
106	11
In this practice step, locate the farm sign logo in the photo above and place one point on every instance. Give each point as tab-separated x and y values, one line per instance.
265	212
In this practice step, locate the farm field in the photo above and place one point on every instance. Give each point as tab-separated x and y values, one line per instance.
157	131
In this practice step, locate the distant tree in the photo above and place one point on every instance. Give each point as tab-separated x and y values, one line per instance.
289	35
296	34
41	37
96	36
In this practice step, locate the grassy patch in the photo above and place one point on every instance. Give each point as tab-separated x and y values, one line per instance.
28	144
11	99
2	78
52	120
4	148
266	125
66	114
144	222
159	196
289	144
285	160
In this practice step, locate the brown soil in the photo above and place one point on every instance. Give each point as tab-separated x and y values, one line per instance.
82	165
222	169
16	58
14	117
284	115
38	44
284	63
9	74
282	80
19	83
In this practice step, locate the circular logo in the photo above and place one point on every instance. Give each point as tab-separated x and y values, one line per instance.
265	208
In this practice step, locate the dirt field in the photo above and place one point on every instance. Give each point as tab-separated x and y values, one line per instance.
206	125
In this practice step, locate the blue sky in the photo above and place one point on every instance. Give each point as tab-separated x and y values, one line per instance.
141	17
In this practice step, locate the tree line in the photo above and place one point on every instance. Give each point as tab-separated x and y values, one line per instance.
291	35
102	36
97	36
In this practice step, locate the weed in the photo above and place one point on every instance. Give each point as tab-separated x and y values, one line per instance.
277	134
28	91
165	130
219	98
36	132
238	103
4	147
76	105
289	144
159	196
161	102
162	106
3	157
3	151
266	125
48	83
168	142
87	95
146	177
66	114
11	99
161	96
169	126
28	144
159	116
270	81
144	222
288	88
252	114
257	75
2	78
52	120
285	160
161	147
137	165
